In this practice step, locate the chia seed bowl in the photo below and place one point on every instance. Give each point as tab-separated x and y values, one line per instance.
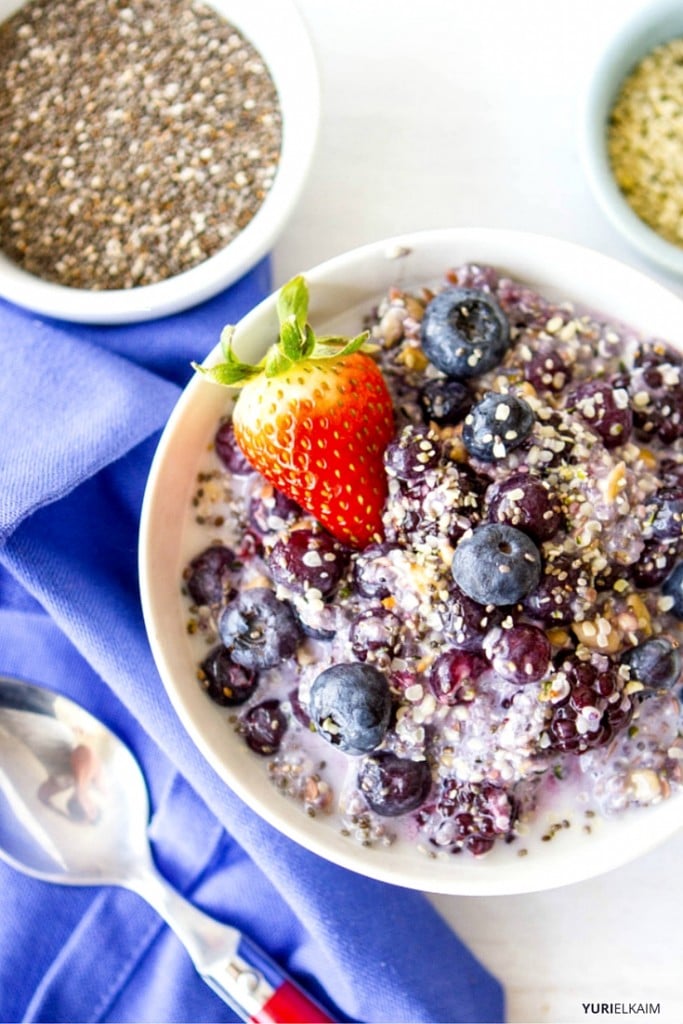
205	116
536	755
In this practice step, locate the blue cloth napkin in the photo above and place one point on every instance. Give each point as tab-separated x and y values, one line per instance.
80	413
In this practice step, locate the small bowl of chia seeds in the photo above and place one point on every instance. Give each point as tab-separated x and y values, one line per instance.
632	133
152	151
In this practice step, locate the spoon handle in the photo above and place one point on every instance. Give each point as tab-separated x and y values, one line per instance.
237	970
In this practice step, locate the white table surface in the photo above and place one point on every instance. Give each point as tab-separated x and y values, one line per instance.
459	113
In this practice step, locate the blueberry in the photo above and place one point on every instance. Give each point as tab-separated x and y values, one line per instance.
226	682
264	726
350	706
655	663
520	654
373	572
664	518
259	629
308	559
496	425
673	587
525	501
656	561
208	575
445	401
496	564
375	630
453	676
552	601
393	785
547	371
269	510
606	408
464	332
229	452
412	453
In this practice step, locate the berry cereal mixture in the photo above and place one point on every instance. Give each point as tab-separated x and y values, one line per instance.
436	571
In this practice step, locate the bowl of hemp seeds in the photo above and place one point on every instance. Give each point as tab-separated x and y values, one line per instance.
632	133
151	151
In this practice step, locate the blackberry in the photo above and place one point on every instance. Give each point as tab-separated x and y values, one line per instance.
593	710
469	816
464	332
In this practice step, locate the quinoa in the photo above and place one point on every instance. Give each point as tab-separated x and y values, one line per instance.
137	138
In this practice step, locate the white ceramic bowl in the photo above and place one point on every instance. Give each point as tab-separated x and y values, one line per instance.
275	29
652	25
342	290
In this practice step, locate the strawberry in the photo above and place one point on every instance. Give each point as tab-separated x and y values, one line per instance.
314	417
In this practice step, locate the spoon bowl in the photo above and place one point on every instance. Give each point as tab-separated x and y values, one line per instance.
74	810
70	783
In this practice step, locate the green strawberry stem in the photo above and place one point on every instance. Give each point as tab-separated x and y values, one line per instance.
296	342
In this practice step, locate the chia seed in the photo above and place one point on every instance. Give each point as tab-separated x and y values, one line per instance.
137	138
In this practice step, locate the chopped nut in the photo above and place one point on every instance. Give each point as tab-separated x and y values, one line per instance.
615	482
599	634
640	610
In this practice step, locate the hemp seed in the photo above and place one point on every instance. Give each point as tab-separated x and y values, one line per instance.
645	140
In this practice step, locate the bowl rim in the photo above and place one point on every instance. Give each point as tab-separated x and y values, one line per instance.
648	27
625	840
277	31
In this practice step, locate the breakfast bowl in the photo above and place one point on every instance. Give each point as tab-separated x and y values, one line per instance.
206	156
629	136
565	837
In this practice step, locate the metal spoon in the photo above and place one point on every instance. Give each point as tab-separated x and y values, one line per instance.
80	818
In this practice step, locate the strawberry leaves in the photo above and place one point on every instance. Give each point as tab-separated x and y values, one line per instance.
297	342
